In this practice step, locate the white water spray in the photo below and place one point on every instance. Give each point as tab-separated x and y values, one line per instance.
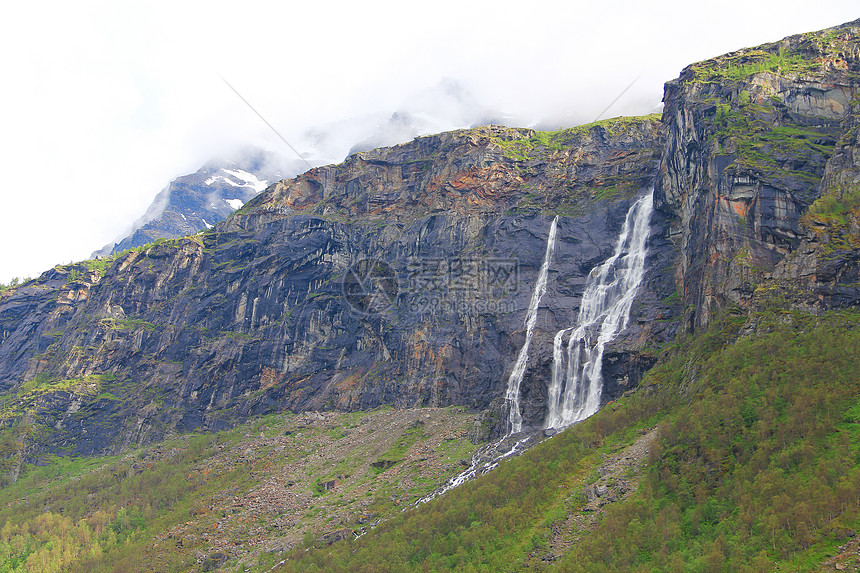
484	460
577	377
512	396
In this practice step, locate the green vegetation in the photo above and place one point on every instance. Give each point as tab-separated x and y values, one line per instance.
399	448
836	213
608	193
129	324
554	192
42	384
541	143
761	467
158	508
782	154
616	126
757	468
812	53
101	264
106	515
836	203
13	284
743	65
559	195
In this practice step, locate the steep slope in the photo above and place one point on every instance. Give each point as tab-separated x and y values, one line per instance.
750	138
265	312
239	496
755	467
746	470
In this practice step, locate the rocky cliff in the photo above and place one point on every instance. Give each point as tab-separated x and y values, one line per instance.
754	139
401	276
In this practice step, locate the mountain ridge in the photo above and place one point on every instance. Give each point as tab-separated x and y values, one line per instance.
147	308
197	201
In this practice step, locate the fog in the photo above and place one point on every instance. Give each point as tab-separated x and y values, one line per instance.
105	103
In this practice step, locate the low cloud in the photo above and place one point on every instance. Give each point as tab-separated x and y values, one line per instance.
105	103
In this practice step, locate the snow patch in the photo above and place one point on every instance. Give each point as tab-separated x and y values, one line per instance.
234	203
208	226
239	178
249	179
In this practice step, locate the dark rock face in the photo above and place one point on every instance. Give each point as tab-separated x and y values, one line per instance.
750	137
824	270
252	316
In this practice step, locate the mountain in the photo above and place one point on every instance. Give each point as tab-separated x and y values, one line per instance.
259	314
195	202
256	314
413	277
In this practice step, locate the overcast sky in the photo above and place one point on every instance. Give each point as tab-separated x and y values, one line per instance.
105	102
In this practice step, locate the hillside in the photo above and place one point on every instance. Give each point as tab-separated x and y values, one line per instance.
380	306
246	494
744	469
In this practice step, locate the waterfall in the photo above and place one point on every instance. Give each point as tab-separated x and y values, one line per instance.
485	460
512	396
577	380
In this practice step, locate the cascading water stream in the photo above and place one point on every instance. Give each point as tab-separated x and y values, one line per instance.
512	396
484	460
605	306
577	378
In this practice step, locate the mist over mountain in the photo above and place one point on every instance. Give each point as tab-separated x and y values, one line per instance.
198	201
195	202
